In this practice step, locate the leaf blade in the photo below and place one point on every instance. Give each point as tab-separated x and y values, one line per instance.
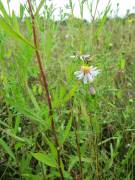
45	159
6	148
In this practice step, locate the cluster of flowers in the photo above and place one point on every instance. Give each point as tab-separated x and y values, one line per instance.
87	74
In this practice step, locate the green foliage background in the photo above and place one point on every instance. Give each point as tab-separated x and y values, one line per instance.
105	121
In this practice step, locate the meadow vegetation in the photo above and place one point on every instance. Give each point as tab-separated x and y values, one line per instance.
89	130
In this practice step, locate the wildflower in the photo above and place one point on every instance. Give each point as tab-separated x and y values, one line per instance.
87	73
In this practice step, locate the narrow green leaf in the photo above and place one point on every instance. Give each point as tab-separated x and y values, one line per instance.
4	12
31	176
8	28
39	7
70	94
129	154
15	22
75	159
103	20
7	148
64	99
33	99
10	133
107	140
3	123
122	64
46	159
52	147
20	105
22	9
17	123
66	131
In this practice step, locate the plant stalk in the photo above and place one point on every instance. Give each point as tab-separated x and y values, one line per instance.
78	149
45	86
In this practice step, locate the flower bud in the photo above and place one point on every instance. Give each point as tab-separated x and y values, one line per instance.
92	91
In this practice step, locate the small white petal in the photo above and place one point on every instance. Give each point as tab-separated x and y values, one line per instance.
95	72
80	76
90	78
77	73
85	79
81	58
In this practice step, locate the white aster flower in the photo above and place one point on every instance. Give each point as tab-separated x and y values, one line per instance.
87	74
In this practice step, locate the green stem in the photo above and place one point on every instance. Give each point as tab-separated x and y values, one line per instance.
78	149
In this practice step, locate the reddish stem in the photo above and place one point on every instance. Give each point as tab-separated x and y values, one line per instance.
45	86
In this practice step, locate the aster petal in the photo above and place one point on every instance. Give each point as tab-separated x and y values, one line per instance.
95	73
77	73
85	79
80	76
81	58
90	77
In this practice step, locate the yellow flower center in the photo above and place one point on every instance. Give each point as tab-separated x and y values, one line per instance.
85	69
